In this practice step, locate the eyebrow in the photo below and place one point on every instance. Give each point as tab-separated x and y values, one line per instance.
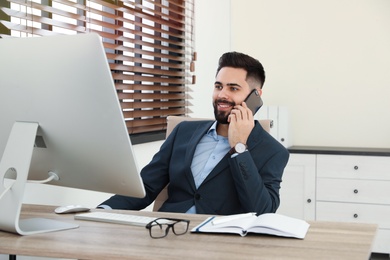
228	84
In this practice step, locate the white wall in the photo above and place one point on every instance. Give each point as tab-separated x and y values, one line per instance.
212	39
328	61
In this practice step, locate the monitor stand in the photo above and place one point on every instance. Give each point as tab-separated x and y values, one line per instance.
16	159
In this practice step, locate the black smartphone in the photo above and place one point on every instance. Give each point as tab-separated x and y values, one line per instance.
254	101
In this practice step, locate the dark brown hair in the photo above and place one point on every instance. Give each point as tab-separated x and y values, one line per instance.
255	70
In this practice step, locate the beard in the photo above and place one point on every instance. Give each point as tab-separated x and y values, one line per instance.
222	116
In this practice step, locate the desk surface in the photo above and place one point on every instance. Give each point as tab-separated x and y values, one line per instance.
95	240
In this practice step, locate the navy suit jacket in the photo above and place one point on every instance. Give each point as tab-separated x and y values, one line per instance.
248	182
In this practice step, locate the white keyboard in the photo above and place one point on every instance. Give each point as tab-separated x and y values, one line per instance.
116	218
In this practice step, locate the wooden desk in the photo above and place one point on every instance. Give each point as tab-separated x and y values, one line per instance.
95	240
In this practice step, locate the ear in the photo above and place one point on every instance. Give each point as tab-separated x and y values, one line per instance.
259	90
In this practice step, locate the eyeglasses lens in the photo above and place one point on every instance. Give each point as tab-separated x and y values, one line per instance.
158	230
180	228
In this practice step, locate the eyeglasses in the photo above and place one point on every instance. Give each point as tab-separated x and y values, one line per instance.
159	227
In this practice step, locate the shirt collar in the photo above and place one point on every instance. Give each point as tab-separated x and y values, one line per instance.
213	131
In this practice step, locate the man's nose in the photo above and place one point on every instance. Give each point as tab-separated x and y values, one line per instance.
223	94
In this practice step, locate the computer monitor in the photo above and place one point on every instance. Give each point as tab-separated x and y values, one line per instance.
60	116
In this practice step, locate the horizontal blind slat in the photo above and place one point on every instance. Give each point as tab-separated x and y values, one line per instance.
140	105
149	87
118	76
153	113
147	71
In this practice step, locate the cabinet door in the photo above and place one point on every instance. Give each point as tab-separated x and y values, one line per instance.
297	193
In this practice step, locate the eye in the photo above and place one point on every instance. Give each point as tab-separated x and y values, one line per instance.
218	87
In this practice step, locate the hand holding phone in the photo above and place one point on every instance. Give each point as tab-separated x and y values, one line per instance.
254	101
239	132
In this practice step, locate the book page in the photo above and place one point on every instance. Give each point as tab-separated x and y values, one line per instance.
279	225
270	223
234	225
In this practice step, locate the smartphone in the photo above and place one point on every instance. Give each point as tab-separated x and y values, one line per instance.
254	101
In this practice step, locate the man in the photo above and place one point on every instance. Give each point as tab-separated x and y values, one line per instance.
228	166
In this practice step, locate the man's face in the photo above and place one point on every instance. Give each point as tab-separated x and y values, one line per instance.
230	89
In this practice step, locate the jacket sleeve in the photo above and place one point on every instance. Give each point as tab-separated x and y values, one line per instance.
257	175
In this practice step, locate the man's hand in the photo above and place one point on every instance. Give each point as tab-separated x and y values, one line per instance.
241	124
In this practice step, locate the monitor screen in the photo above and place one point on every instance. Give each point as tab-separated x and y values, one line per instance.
63	84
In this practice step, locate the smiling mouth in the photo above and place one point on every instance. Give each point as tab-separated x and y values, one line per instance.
224	105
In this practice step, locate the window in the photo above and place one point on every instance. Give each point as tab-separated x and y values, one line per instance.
149	46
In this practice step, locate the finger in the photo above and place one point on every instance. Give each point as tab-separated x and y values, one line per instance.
245	111
236	112
230	117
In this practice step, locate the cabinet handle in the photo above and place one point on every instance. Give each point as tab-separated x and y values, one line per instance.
356	167
308	200
355	215
355	191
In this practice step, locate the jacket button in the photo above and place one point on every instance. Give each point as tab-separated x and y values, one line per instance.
197	196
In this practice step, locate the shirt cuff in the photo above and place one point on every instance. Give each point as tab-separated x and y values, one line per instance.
235	154
104	207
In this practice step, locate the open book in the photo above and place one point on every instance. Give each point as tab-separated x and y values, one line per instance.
269	223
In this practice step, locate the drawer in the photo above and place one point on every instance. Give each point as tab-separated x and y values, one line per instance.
353	167
356	191
354	212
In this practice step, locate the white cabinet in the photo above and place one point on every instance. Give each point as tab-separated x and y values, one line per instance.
297	193
339	185
355	189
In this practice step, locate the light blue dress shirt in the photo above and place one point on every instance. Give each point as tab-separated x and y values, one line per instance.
209	151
